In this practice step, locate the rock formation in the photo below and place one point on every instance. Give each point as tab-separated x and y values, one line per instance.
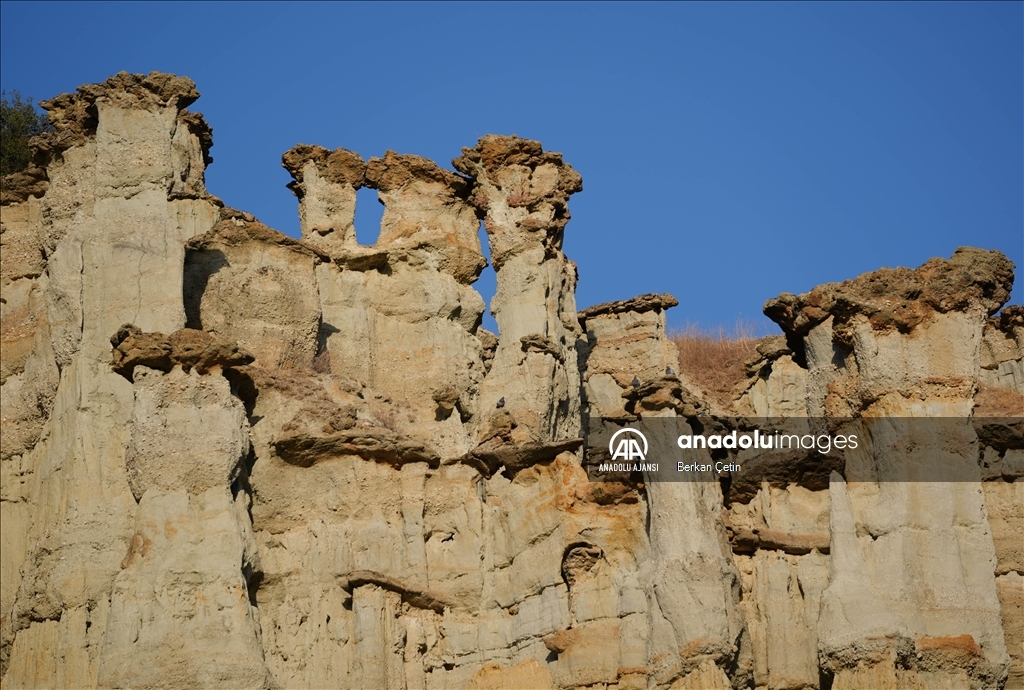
231	458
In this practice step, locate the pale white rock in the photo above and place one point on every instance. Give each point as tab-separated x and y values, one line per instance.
542	614
523	192
180	612
187	432
945	347
781	610
256	287
852	612
688	568
113	239
782	393
689	572
913	558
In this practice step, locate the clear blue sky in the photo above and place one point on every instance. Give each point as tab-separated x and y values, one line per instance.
729	151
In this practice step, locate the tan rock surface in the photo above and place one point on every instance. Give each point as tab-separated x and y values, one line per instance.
142	156
901	298
406	301
625	340
523	192
1004	503
901	343
303	463
180	614
325	183
1010	588
257	287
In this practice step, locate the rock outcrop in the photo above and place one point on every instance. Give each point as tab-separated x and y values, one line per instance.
523	193
241	261
104	246
918	589
231	458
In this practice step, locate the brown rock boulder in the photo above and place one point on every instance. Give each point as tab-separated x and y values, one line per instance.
188	347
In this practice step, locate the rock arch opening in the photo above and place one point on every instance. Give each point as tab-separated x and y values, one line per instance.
369	213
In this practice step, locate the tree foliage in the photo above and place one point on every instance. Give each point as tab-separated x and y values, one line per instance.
20	120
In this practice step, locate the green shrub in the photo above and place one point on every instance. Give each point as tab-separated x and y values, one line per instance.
20	120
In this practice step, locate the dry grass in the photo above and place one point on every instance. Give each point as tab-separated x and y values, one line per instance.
322	362
713	359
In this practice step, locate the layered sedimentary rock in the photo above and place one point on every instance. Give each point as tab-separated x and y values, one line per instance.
523	192
920	600
236	459
125	191
406	303
181	600
688	573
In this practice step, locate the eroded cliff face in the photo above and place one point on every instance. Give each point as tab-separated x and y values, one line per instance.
236	459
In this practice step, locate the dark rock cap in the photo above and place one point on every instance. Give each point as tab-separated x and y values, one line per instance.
901	298
339	166
649	302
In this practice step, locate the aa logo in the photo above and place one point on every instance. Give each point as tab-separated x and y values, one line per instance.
628	447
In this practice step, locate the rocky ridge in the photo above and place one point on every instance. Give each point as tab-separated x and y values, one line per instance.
235	459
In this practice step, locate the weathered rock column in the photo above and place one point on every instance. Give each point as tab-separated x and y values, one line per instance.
180	610
523	192
325	182
124	190
691	584
625	340
918	598
406	302
1001	392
